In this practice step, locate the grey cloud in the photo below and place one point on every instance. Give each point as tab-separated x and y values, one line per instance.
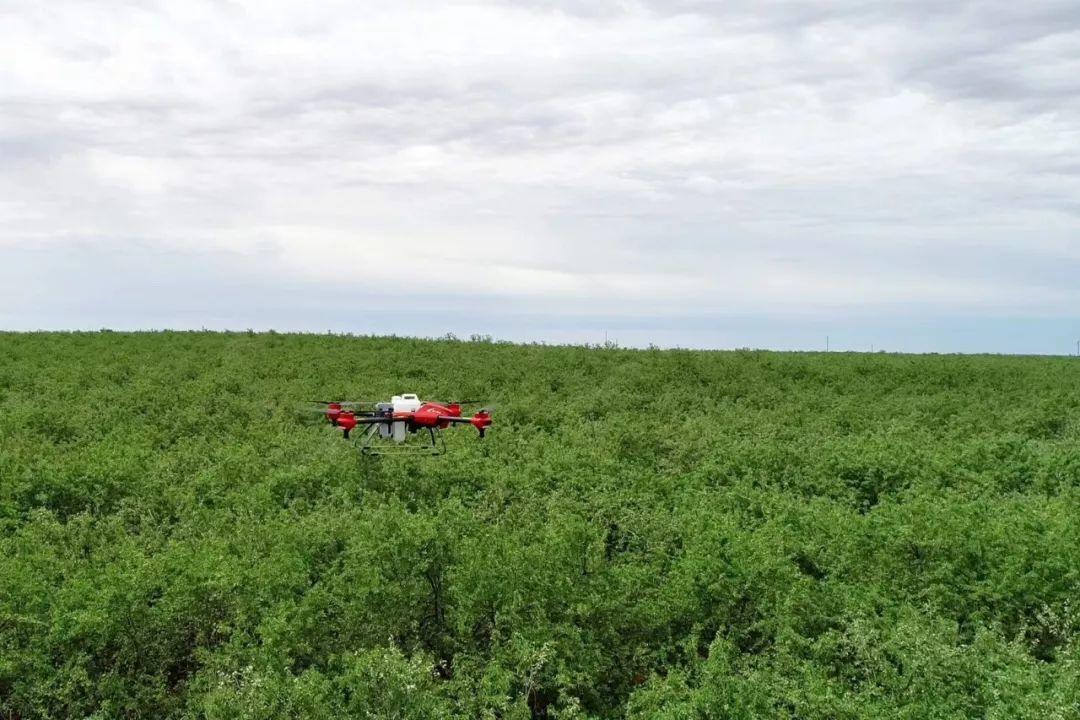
630	157
139	287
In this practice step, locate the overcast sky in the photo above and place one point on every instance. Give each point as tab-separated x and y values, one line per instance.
713	174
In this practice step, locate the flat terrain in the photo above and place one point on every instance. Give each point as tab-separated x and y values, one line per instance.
643	534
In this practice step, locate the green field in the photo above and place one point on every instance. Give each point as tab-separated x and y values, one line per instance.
644	534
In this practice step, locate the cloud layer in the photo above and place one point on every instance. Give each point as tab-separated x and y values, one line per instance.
611	160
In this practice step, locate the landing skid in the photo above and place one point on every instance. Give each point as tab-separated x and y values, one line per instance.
373	445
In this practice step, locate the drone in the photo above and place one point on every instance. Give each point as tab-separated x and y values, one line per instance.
389	424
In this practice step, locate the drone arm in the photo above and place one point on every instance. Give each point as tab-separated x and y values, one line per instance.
347	423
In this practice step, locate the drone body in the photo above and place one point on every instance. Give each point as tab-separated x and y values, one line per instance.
402	416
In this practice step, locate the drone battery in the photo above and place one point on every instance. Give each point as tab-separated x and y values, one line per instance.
399	431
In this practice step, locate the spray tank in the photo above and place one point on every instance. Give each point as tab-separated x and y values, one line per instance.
404	403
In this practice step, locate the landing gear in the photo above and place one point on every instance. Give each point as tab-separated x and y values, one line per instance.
432	444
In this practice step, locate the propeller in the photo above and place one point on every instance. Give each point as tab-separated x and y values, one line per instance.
448	403
344	403
338	416
331	411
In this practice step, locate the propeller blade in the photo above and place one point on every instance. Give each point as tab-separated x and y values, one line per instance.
327	411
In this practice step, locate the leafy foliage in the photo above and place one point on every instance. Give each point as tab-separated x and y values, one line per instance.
644	534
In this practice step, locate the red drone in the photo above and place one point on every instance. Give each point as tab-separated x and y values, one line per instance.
402	416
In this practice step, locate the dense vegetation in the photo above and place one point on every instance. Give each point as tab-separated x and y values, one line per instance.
644	534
